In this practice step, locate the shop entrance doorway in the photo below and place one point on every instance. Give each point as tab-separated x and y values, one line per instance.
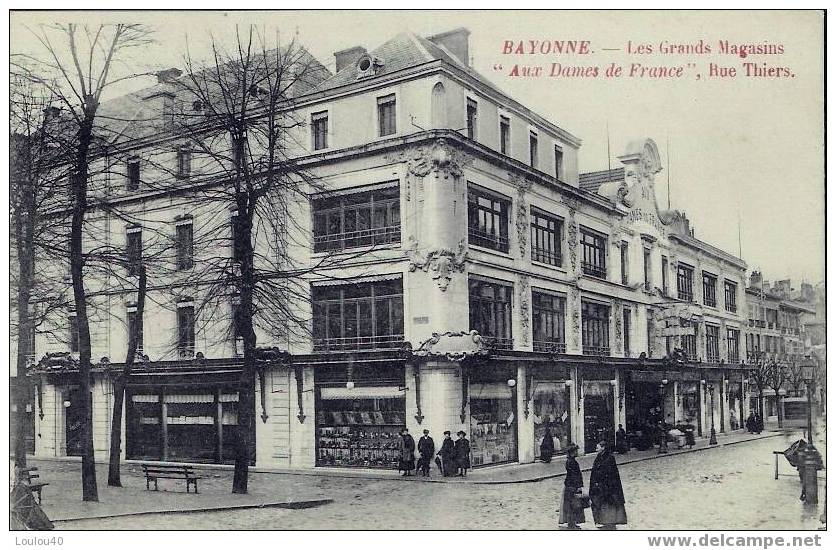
644	406
598	413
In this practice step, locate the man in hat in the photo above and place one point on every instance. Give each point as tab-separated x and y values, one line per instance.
461	452
447	456
426	448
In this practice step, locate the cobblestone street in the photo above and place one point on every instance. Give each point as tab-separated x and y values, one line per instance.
723	488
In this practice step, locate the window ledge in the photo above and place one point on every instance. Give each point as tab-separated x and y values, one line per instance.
490	251
549	266
357	250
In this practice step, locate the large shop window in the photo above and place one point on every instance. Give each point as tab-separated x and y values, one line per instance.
487	219
594	246
188	425
493	423
595	328
358	316
550	403
690	398
548	322
358	424
490	312
546	238
366	218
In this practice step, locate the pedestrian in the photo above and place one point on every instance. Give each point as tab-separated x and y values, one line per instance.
571	509
621	445
461	453
750	422
447	456
758	423
662	435
407	453
426	448
605	489
547	446
732	419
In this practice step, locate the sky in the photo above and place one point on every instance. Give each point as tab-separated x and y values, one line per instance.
738	148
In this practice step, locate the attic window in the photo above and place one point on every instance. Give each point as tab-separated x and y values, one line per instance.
367	66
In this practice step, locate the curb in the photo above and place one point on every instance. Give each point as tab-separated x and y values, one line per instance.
294	505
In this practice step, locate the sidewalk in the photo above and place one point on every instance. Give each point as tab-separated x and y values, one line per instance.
284	488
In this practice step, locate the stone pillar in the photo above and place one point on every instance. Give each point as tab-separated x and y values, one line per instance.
525	424
303	434
704	427
441	399
102	404
50	431
677	400
577	410
618	404
272	437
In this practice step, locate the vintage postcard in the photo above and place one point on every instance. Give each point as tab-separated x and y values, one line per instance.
418	270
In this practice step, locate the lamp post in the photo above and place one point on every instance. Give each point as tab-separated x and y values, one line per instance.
712	440
811	458
663	433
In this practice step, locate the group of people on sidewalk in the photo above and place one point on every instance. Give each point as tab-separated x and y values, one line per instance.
605	497
754	423
453	459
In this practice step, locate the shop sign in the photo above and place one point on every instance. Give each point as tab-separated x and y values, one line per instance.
646	376
689	375
678	331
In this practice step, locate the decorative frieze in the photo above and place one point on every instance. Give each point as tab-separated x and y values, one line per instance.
524	308
438	158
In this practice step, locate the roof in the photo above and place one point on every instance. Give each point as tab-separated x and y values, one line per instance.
702	245
591	181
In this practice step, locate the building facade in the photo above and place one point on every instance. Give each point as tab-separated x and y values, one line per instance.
483	285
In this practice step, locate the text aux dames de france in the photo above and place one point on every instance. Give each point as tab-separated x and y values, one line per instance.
664	59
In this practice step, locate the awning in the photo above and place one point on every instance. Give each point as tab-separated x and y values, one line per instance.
499	390
373	392
357	280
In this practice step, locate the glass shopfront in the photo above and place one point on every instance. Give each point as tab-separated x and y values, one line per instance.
360	413
183	425
735	405
550	405
689	396
493	423
598	413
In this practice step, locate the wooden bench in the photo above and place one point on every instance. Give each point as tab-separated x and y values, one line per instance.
31	478
154	472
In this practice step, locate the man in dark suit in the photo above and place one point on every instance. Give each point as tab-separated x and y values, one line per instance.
426	448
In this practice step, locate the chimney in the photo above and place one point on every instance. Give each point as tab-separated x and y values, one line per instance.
756	279
457	41
168	76
348	56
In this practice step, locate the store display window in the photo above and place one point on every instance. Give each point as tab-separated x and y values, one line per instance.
360	427
690	397
550	405
493	424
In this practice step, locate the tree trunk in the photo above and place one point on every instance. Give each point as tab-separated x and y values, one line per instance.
89	487
244	324
113	472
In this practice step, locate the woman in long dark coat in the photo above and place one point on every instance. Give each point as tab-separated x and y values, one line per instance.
547	446
461	451
605	489
447	456
407	453
571	513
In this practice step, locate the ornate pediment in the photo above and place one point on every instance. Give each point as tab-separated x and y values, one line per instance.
454	346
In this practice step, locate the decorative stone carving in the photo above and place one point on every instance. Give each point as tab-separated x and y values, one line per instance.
575	307
438	158
572	232
524	309
617	329
453	346
523	186
442	262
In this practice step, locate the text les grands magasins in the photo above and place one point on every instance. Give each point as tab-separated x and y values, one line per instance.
659	61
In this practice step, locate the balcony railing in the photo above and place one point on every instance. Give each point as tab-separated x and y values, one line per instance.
355	343
712	357
549	346
492	342
546	256
487	240
598	351
353	239
594	270
731	308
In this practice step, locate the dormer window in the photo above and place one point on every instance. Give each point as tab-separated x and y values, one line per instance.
367	66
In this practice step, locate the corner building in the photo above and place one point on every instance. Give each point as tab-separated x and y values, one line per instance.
487	287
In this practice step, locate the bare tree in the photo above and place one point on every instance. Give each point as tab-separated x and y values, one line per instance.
77	67
759	376
240	119
776	375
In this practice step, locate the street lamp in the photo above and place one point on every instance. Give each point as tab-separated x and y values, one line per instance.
712	440
811	459
663	436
